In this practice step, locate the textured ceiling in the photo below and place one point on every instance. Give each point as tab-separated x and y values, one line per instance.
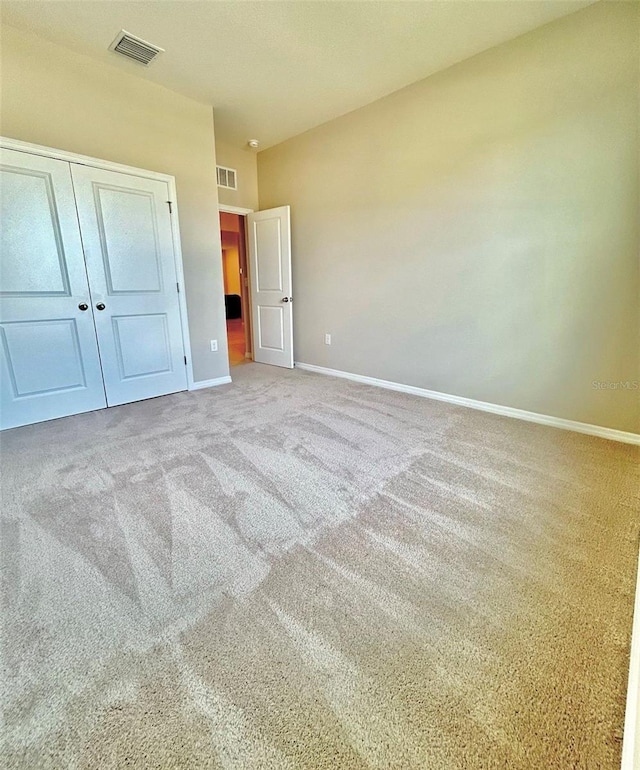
275	69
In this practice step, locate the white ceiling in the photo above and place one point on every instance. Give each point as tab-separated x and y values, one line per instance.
274	69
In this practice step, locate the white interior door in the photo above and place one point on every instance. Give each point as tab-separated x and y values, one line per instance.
126	233
49	363
271	295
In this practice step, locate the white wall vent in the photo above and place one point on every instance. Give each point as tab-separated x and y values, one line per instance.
226	177
135	48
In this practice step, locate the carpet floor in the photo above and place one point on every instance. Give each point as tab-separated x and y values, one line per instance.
295	571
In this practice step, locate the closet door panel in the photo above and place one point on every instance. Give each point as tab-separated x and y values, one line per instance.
127	237
49	363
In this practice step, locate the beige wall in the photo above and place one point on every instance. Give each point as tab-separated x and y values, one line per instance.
244	160
55	97
477	233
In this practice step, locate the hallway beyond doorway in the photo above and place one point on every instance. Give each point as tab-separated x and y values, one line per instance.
236	341
236	291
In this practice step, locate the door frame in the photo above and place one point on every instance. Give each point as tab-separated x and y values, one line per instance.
107	165
246	288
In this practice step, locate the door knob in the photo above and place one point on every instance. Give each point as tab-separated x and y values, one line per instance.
285	299
100	306
83	306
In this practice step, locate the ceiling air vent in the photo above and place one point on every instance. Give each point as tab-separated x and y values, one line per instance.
134	48
226	177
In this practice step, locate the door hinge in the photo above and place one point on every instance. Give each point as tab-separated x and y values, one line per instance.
178	287
170	209
185	360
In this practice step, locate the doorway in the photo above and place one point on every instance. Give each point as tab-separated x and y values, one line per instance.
256	262
236	287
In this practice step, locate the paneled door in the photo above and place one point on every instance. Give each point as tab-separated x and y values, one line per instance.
126	233
271	297
49	363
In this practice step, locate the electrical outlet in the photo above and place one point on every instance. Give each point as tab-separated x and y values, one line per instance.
214	346
327	339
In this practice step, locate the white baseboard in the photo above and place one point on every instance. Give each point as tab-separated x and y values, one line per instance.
483	406
631	739
210	383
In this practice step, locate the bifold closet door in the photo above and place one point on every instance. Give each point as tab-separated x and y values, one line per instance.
49	363
127	238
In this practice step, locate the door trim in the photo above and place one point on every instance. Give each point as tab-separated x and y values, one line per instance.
234	209
107	165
